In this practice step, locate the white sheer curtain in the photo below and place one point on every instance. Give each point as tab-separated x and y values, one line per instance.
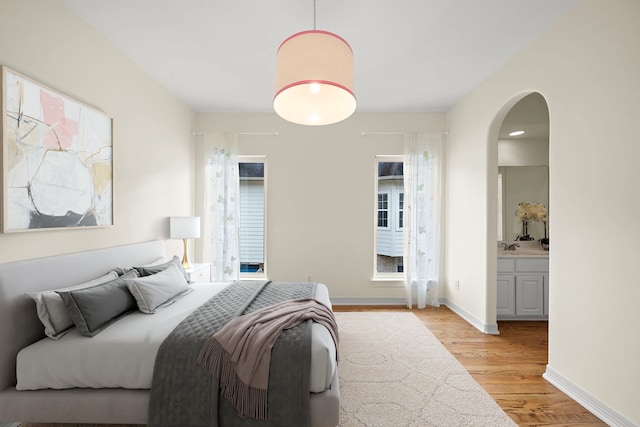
423	183
221	206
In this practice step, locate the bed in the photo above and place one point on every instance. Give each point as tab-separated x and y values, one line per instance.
127	398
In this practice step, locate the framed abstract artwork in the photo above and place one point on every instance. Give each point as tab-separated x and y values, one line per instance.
57	159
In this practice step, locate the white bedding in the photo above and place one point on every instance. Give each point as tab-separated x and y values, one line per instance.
123	355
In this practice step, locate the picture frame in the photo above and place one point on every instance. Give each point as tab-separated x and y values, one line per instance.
56	159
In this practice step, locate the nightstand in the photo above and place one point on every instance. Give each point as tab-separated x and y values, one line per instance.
199	273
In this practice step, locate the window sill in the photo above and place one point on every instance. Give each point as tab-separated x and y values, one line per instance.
388	280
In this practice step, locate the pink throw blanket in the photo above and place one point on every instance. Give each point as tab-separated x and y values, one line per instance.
241	350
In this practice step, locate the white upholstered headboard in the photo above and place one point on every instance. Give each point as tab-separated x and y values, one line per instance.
19	324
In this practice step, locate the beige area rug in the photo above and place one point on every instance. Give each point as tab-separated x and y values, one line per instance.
395	372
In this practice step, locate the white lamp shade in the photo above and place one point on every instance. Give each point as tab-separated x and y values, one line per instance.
184	227
314	79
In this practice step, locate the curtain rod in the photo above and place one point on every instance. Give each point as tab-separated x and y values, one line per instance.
365	133
240	133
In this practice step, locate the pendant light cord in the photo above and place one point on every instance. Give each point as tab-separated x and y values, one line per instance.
314	15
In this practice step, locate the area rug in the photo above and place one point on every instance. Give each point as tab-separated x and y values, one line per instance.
395	372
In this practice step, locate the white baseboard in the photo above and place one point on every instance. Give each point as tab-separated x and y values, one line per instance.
483	327
477	323
593	405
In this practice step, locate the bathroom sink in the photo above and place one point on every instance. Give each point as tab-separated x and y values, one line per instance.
519	252
529	248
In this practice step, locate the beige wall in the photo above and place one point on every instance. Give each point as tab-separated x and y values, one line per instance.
152	141
587	67
320	191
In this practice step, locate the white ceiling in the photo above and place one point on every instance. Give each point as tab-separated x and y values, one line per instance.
409	55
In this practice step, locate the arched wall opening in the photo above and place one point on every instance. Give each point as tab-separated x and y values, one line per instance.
495	133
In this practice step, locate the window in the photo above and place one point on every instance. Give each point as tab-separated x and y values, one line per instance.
389	247
383	210
252	216
400	210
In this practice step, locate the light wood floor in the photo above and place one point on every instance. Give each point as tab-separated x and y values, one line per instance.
508	366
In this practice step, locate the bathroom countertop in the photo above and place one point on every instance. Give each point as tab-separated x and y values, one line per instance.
525	249
522	254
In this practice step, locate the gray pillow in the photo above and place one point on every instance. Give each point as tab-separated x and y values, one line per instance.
51	309
157	289
93	309
147	270
122	270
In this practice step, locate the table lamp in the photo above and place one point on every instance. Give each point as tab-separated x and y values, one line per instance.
184	227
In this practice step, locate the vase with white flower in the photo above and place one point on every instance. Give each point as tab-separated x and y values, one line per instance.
527	212
544	242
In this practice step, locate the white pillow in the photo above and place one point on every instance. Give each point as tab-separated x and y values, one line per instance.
51	309
159	261
156	289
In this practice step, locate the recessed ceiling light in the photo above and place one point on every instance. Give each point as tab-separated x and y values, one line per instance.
516	133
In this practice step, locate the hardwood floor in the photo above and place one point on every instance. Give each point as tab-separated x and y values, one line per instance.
508	366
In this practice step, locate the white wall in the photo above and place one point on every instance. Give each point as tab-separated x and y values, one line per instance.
152	141
320	193
587	67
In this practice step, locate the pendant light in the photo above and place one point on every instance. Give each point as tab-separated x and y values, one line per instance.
314	78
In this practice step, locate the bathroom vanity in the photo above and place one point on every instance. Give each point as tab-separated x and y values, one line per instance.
523	283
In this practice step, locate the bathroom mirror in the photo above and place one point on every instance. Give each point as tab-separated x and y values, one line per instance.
522	184
523	165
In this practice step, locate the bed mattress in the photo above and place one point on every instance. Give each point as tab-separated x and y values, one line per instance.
123	354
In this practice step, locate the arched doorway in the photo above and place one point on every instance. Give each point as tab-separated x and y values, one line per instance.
519	164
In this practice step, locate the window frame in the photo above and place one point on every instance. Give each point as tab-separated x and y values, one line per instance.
388	277
385	209
401	208
263	275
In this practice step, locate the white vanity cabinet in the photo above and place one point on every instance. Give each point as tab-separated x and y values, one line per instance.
506	288
523	288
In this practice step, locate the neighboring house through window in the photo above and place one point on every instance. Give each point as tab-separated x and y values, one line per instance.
390	209
252	216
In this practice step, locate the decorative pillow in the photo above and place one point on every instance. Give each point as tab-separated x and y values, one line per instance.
93	309
147	270
158	261
122	270
51	309
157	289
